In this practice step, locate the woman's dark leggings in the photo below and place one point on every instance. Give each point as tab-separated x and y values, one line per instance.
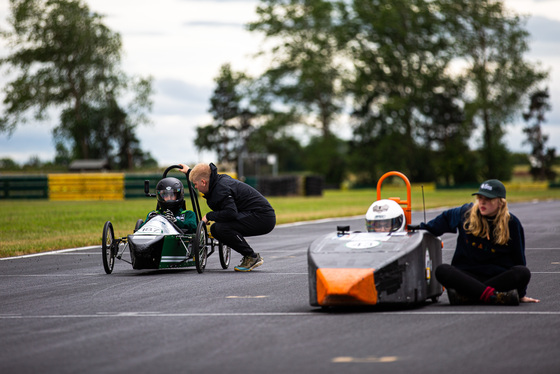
473	285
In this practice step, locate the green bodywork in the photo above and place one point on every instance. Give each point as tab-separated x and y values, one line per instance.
174	254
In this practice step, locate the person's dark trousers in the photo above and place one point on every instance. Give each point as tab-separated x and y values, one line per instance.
233	233
473	285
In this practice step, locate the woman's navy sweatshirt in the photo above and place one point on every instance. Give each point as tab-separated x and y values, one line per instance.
479	255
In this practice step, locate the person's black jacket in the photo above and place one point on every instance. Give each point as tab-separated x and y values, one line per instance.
231	199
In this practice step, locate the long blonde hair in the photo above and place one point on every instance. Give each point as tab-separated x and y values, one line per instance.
476	225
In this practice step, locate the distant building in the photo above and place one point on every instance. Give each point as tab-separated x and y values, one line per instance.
89	165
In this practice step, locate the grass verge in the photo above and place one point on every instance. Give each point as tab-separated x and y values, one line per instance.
31	226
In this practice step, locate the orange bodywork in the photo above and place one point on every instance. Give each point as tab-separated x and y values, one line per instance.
337	286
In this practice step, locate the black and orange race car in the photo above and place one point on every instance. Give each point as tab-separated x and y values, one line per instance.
391	262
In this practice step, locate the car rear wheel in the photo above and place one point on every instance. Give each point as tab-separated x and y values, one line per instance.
225	255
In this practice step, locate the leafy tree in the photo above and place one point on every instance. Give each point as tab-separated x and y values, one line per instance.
492	42
7	164
233	119
307	74
304	73
397	62
400	55
328	157
244	122
447	132
541	160
68	59
274	137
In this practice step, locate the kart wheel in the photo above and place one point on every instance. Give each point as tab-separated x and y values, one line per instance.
138	224
107	247
200	247
225	255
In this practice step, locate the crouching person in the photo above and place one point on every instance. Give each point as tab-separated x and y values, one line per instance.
238	211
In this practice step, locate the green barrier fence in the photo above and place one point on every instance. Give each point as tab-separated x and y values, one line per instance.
24	187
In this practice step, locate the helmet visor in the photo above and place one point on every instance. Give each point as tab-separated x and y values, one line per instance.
168	195
384	225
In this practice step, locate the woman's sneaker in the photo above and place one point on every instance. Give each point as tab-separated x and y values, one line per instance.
506	298
249	263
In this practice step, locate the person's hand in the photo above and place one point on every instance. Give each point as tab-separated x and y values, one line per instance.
526	299
169	215
204	219
152	215
184	168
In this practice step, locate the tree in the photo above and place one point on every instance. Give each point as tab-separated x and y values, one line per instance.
7	164
328	157
304	73
492	42
541	161
232	126
68	59
274	137
400	54
447	133
397	63
244	123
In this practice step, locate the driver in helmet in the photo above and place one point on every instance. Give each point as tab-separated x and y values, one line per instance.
171	203
385	216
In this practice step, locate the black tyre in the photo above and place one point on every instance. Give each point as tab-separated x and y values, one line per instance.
138	224
225	255
200	247
108	249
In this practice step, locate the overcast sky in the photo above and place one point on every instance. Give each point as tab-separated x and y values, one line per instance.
183	43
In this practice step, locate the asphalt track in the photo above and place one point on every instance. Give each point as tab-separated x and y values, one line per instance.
60	313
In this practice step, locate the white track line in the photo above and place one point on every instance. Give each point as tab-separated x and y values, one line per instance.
50	253
272	314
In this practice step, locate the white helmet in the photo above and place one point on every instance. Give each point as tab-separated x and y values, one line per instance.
385	216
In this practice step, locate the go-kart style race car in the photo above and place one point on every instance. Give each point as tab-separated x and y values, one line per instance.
391	263
160	243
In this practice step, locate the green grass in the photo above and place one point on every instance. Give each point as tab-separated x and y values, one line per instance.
31	226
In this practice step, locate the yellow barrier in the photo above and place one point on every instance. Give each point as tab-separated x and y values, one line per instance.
526	186
90	186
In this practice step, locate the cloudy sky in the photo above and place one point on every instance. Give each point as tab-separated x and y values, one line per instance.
183	43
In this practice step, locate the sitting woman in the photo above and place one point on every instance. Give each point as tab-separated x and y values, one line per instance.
489	264
171	203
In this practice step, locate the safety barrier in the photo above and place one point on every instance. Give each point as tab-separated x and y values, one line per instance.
86	186
24	187
116	186
134	184
291	185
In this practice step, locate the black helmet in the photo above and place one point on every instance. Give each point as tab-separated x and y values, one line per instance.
170	194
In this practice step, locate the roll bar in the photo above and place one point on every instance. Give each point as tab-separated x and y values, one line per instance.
408	204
